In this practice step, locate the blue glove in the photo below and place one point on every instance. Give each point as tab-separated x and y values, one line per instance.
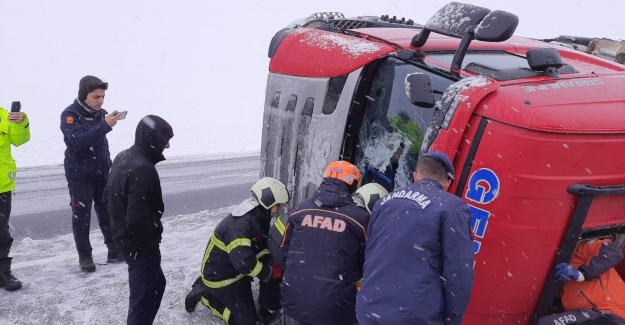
565	272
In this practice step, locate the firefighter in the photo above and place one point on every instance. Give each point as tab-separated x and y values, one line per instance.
590	280
236	254
419	262
324	242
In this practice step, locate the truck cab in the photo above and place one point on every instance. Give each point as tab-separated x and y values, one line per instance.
535	131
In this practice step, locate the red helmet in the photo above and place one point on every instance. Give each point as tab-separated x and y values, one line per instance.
344	171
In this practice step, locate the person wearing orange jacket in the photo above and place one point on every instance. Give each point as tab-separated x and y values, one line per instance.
590	280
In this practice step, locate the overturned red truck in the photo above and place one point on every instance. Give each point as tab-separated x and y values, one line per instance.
536	132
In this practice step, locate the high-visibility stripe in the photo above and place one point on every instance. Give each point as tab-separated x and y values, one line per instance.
233	244
280	226
262	253
256	270
225	315
222	283
209	249
215	242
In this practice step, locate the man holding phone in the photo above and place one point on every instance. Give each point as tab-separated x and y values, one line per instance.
14	130
85	124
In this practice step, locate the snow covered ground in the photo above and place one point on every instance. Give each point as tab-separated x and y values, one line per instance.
200	65
56	292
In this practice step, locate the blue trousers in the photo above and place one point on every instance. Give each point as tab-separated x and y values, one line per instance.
83	195
5	234
147	285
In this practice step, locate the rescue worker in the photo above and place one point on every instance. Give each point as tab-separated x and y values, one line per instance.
590	280
324	241
85	124
236	254
14	130
367	195
419	261
135	203
364	197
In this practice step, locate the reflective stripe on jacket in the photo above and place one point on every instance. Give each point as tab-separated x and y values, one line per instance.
237	251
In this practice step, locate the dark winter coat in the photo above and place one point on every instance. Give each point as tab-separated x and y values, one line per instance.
87	156
133	190
419	262
237	252
325	244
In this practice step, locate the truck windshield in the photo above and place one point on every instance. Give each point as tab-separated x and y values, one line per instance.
497	60
392	129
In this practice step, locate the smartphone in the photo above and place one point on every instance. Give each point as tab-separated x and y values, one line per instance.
122	115
16	106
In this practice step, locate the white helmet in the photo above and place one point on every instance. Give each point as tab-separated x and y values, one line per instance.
269	192
368	194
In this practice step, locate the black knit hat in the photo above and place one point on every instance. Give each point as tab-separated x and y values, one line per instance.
88	84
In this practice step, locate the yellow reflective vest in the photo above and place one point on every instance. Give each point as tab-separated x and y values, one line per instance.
10	134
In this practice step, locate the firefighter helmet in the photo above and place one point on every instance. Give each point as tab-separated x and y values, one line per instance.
344	171
368	194
269	192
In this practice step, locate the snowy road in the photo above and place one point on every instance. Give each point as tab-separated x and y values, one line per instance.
41	202
198	193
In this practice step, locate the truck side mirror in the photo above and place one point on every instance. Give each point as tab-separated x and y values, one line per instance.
419	90
497	26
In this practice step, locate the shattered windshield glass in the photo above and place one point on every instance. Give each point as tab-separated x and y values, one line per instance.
391	133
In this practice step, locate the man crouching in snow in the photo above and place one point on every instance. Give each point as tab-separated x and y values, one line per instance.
135	204
236	254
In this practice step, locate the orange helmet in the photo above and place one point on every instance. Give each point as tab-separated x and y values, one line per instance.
344	171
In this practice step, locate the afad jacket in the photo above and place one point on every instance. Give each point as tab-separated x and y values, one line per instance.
325	246
87	156
603	286
10	134
419	262
133	190
237	251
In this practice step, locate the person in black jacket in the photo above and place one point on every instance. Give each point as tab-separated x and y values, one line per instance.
85	124
324	241
236	254
135	204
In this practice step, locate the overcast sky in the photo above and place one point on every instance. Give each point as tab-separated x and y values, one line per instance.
200	65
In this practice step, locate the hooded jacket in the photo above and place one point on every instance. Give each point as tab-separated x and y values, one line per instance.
325	246
602	286
133	190
10	134
237	251
87	156
419	261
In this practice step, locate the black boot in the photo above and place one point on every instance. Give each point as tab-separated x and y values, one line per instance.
266	315
9	282
194	296
114	256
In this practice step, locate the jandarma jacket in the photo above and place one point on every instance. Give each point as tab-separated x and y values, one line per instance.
10	134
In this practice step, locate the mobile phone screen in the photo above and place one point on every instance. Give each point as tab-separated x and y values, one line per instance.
15	107
122	115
